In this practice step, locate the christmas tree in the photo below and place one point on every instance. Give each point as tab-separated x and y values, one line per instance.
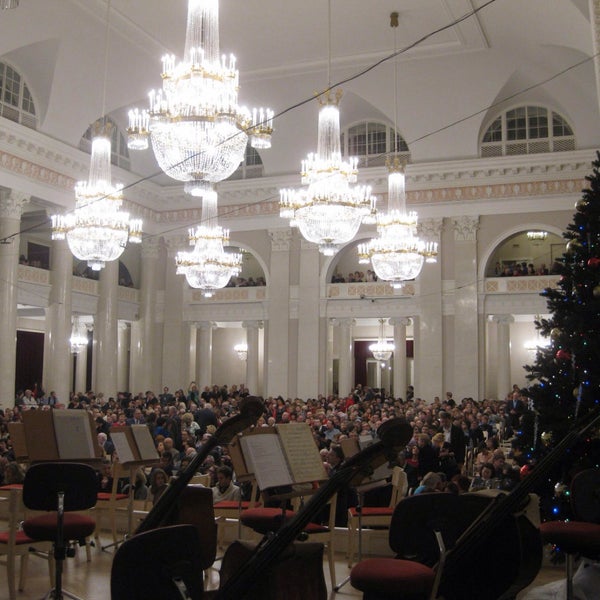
566	374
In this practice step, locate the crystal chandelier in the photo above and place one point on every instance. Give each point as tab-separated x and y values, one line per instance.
537	235
208	266
97	231
242	351
197	128
382	350
397	254
79	338
329	211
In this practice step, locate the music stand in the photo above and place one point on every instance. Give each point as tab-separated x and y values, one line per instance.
59	488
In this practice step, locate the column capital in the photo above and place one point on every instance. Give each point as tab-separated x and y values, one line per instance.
431	229
400	321
150	247
346	322
252	324
465	228
280	239
11	204
205	325
503	319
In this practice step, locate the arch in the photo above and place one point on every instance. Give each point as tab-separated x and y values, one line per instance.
119	153
332	262
504	236
525	129
257	257
16	100
251	167
372	140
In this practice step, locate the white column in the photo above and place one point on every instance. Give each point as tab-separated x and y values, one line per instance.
105	331
57	348
594	6
204	353
277	367
11	207
399	362
465	374
346	355
503	378
310	353
428	324
252	328
124	344
81	368
176	335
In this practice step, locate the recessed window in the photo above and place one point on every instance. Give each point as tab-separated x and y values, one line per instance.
250	167
119	152
527	130
16	102
373	142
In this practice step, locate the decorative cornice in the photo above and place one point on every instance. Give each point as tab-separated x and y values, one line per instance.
11	204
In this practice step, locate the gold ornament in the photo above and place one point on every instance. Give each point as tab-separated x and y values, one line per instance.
596	291
555	333
573	246
546	438
581	204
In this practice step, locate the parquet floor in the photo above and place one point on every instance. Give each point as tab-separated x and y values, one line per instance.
91	581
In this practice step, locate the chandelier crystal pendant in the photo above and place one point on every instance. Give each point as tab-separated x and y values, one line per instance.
208	266
198	130
330	210
382	350
79	338
397	254
97	231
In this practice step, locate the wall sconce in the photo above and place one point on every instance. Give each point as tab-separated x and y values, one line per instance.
241	350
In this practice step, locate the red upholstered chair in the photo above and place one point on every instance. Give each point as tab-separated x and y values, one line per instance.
422	527
580	537
60	489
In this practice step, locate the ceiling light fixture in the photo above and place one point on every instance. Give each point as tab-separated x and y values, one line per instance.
397	253
382	349
329	211
198	130
97	231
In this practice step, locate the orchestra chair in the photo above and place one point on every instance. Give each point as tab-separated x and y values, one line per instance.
163	563
112	503
421	529
267	520
581	536
227	511
380	517
14	542
60	490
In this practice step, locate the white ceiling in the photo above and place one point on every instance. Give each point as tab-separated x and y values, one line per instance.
282	50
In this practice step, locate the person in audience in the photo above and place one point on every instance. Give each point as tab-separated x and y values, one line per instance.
431	482
159	482
140	486
225	489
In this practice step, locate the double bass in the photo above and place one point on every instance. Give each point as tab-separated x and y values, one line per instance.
501	532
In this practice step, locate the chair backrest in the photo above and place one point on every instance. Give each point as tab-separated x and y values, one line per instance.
585	495
163	563
399	486
417	518
43	482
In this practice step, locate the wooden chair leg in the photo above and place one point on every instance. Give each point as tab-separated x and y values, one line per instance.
23	571
10	575
331	560
351	542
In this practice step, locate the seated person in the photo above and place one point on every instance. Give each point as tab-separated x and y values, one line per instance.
432	482
158	484
225	488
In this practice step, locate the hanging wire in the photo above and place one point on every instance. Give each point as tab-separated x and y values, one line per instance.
106	46
329	28
394	25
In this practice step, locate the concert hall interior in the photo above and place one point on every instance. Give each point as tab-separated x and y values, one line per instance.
159	269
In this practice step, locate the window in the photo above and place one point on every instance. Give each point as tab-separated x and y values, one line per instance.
250	167
527	130
119	151
16	102
372	142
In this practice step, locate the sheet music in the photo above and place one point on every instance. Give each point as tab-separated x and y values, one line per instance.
73	434
122	447
266	460
144	442
302	454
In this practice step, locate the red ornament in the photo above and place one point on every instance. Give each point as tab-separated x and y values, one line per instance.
525	470
563	355
593	262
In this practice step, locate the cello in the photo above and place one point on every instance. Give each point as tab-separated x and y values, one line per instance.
393	435
502	533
